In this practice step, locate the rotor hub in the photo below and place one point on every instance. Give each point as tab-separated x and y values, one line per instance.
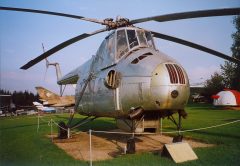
120	22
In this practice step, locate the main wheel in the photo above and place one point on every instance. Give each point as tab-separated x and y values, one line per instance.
131	146
177	138
62	130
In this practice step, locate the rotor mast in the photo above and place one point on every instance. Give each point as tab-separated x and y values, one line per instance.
56	65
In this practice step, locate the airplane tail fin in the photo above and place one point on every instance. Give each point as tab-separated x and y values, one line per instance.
46	94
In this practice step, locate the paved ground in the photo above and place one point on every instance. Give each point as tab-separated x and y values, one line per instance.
108	146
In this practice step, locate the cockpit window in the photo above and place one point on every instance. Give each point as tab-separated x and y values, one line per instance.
149	38
132	38
141	37
110	46
122	45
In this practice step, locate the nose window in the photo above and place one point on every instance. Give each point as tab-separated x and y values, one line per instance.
176	74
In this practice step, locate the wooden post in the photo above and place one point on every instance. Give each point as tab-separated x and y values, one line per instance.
90	146
161	126
51	130
68	133
38	122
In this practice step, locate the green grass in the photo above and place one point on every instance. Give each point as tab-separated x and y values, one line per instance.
21	144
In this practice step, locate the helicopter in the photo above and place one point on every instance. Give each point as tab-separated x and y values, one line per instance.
129	79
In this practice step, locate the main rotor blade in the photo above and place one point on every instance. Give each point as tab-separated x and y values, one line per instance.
191	14
59	47
196	46
52	13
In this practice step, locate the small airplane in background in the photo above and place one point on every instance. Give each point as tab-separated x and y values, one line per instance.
52	99
42	108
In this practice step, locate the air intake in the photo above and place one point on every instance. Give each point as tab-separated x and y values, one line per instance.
176	74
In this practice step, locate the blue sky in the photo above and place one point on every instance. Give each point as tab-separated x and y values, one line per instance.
21	36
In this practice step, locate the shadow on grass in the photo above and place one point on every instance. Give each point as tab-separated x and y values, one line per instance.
22	126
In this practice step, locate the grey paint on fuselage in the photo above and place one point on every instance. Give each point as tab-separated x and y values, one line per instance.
144	81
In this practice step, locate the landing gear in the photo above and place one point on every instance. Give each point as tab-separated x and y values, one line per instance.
181	113
131	149
62	130
177	138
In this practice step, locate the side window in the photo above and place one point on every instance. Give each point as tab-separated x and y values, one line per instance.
99	59
149	39
141	37
132	38
122	46
111	47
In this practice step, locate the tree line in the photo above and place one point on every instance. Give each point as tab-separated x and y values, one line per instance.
19	98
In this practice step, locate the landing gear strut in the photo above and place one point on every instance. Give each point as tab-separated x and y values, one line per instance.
62	130
181	113
131	149
136	113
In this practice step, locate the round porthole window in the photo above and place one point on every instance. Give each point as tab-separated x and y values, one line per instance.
174	94
113	79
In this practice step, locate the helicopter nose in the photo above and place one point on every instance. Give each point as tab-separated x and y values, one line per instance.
159	85
169	86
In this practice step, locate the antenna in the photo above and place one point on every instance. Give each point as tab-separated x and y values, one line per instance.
47	63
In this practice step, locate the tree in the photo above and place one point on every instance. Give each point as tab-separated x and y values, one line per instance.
19	98
213	85
231	71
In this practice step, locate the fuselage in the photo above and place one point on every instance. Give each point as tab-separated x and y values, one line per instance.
129	72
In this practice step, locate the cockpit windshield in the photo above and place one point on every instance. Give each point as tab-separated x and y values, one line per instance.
149	39
122	45
132	38
142	38
128	39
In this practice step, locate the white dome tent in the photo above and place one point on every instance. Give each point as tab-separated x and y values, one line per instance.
227	98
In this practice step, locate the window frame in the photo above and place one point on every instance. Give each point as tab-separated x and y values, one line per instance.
128	46
116	41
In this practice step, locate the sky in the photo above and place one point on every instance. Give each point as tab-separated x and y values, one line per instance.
22	35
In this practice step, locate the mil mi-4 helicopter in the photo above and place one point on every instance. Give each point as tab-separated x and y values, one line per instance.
129	78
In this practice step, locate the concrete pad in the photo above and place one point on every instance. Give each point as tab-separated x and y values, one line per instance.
107	146
179	152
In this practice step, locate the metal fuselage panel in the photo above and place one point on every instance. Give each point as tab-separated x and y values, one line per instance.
146	77
146	84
